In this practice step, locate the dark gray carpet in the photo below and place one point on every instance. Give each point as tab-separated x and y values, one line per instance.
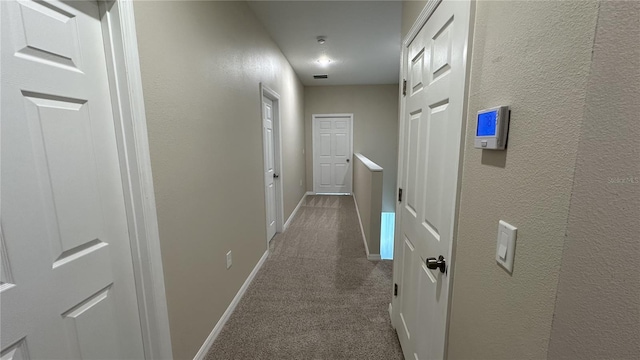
316	296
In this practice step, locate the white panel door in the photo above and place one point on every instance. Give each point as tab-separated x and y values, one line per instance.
67	287
431	140
332	152
270	175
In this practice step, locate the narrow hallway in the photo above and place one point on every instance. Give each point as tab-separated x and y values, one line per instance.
316	296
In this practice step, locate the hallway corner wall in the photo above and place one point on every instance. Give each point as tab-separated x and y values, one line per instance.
202	63
375	126
597	312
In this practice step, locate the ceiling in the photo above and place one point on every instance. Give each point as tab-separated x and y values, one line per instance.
362	38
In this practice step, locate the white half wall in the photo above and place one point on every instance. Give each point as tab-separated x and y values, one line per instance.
367	190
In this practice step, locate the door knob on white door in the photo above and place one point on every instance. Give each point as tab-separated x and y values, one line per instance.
275	176
439	263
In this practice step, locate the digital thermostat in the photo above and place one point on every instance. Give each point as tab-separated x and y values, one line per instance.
492	128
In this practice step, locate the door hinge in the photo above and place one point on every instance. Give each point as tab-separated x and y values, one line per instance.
400	195
404	87
395	289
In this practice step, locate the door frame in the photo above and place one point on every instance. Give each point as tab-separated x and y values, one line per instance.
266	91
314	119
422	19
125	83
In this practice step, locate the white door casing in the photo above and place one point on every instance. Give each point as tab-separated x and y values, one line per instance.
68	287
332	153
432	119
272	160
270	173
121	46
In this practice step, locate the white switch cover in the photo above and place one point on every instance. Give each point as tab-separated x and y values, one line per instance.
229	259
506	247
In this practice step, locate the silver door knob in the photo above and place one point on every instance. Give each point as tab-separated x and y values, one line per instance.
439	263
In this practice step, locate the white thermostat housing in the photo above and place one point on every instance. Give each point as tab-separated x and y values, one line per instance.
492	127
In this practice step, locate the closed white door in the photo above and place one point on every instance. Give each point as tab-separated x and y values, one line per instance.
435	64
332	152
270	174
67	287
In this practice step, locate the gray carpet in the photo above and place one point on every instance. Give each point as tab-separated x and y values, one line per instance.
316	296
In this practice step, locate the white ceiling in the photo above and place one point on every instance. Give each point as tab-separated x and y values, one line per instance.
363	38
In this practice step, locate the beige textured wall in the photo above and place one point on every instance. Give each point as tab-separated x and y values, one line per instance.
202	63
597	313
375	126
535	57
367	189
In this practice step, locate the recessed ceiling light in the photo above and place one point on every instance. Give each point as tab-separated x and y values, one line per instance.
324	61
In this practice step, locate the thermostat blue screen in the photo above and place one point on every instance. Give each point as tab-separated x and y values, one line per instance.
487	123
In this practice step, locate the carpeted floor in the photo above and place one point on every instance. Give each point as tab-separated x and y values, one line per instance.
316	296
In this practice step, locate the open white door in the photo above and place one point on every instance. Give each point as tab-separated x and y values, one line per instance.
332	152
67	287
435	66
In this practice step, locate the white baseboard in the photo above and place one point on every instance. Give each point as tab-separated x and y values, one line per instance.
374	257
310	193
364	237
293	214
223	320
391	313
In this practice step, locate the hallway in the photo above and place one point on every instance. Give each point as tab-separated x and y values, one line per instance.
316	296
150	150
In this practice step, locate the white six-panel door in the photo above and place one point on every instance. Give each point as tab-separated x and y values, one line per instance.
270	175
67	287
431	133
332	152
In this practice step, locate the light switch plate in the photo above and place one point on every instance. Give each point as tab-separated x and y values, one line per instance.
506	247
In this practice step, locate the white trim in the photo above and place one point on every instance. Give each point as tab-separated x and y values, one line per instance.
425	14
310	193
270	94
372	257
397	245
456	210
390	314
121	47
373	167
202	353
294	212
313	148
